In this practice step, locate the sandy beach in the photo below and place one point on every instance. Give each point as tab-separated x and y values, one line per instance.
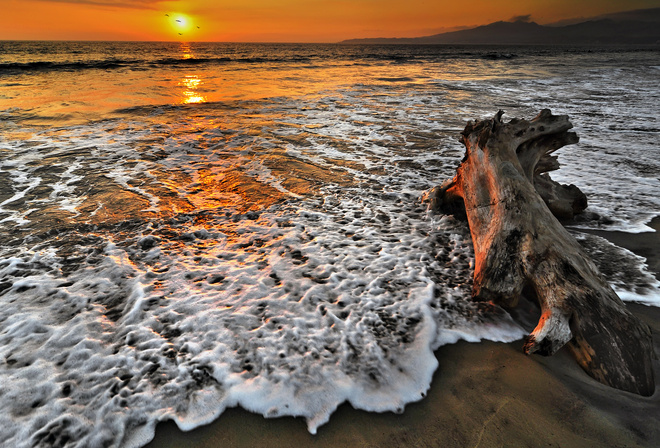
482	395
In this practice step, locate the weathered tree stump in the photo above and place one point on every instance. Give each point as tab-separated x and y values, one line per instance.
512	208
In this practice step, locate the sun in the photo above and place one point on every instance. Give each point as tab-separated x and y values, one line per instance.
181	24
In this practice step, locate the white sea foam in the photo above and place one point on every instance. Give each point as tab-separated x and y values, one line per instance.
289	320
289	311
646	298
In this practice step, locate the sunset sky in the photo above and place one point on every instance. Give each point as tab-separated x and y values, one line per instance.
276	20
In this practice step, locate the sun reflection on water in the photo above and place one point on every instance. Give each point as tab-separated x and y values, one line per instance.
190	93
192	82
187	51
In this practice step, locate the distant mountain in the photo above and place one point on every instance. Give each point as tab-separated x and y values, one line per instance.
638	15
641	27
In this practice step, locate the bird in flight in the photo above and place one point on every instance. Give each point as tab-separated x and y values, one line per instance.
178	20
167	15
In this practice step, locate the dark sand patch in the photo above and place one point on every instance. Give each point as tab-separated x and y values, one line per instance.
483	395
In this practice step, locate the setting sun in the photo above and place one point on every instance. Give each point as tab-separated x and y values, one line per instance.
182	24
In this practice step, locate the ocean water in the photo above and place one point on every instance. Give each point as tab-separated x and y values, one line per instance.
190	227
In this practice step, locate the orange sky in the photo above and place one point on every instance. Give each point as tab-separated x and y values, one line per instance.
276	20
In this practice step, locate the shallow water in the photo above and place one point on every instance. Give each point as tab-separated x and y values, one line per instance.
187	228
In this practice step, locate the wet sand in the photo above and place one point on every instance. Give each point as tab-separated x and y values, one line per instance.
482	395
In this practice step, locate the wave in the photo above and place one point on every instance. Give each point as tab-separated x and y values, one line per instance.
11	68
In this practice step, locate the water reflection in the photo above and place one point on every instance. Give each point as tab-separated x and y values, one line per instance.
187	51
190	83
190	94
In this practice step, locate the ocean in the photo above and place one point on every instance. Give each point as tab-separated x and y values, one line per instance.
186	228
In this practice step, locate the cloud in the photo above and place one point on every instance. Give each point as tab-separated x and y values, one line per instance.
526	18
136	4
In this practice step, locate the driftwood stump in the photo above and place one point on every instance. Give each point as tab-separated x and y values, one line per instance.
512	207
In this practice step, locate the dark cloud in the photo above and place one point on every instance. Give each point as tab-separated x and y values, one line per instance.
136	4
526	18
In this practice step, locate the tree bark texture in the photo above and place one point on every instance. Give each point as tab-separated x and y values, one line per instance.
512	207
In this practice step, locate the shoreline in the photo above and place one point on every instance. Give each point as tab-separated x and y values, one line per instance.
482	394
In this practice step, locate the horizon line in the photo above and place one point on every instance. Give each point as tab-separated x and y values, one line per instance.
347	42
